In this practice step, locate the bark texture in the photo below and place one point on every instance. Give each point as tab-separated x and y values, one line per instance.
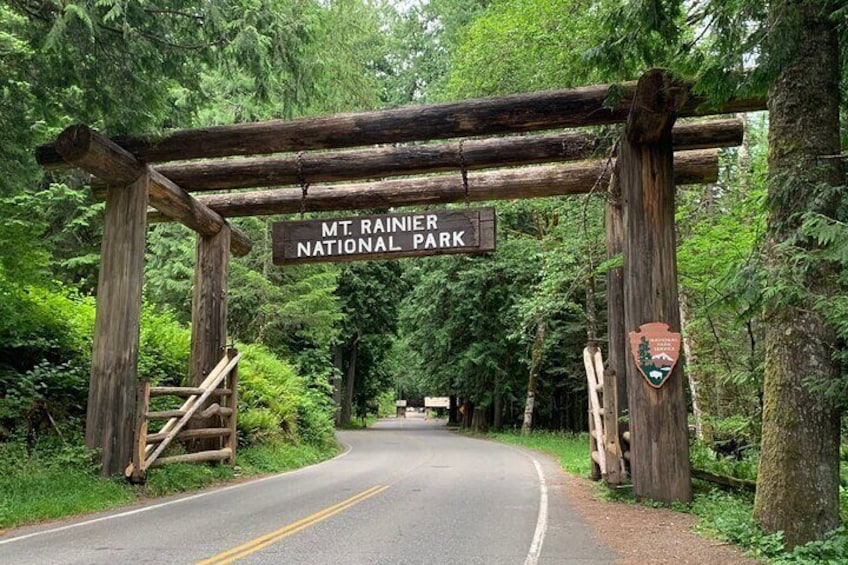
659	445
798	483
114	356
533	381
209	320
346	412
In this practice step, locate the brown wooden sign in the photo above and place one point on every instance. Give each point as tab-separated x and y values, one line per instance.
655	350
387	236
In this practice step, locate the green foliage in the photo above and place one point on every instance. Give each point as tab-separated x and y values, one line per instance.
524	45
55	479
832	550
51	482
275	457
728	517
275	402
706	459
569	448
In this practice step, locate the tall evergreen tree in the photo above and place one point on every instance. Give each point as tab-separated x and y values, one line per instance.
798	483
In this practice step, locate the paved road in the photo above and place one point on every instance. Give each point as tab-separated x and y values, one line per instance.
408	491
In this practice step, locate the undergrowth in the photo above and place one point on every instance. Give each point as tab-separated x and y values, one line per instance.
54	481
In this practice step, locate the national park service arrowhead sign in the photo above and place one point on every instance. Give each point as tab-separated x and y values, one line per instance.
656	351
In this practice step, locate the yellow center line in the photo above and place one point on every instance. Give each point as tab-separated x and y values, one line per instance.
242	551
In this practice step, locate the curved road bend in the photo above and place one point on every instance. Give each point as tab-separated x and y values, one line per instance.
407	492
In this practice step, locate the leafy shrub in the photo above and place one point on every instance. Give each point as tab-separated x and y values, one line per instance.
706	459
315	417
832	550
258	425
729	517
271	387
164	348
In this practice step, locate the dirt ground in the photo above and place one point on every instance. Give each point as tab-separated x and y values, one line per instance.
643	535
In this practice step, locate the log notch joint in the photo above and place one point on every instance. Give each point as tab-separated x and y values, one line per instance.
102	157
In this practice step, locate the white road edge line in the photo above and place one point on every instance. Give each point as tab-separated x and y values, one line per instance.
542	521
170	502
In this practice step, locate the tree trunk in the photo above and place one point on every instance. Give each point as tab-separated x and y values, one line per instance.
467	414
338	363
453	412
703	428
479	422
798	482
532	383
497	404
350	381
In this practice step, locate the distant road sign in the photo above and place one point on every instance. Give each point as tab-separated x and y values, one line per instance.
437	402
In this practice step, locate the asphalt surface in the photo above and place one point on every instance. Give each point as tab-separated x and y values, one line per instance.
407	491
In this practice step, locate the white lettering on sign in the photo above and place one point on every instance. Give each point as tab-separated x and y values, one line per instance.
401	234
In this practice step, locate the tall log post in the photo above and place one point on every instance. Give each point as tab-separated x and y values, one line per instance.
658	430
209	317
617	338
110	415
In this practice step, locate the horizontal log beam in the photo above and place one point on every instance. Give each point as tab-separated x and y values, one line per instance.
198	433
80	146
165	414
585	106
85	148
199	457
186	391
419	159
691	167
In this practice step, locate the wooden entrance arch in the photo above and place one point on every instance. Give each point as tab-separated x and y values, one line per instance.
653	156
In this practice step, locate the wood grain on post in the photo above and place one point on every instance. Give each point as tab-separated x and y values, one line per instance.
110	418
135	470
381	162
209	317
612	443
232	402
100	156
659	443
617	335
579	107
693	167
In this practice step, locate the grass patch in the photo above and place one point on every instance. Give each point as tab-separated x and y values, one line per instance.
571	450
56	483
360	423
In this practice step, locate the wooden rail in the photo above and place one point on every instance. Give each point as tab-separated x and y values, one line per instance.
149	447
608	461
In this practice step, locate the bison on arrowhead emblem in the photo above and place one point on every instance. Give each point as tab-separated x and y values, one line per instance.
655	350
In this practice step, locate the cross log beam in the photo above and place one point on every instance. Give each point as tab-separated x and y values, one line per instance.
578	107
691	167
82	147
383	162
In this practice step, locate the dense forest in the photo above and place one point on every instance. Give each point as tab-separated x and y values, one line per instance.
762	253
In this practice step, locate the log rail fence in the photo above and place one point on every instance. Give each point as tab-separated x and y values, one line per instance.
220	386
166	171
